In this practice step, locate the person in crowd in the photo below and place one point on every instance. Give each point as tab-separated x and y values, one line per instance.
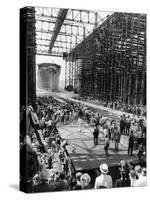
66	118
124	181
127	125
96	134
141	151
92	120
56	175
80	124
62	184
144	125
141	175
108	125
75	116
133	177
106	144
62	117
131	143
125	167
78	182
105	131
116	137
144	172
113	124
104	180
85	180
44	185
122	125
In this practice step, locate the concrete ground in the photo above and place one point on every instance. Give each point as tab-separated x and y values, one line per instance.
83	152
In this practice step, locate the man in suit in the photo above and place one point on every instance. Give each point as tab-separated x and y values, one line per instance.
131	143
45	185
95	134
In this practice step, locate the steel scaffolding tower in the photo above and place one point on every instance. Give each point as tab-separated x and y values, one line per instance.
114	60
106	61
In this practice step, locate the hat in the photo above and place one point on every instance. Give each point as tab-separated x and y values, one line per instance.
78	175
53	142
104	168
132	173
122	162
30	108
138	169
44	175
85	178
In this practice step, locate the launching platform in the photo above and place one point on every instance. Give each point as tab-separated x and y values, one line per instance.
83	152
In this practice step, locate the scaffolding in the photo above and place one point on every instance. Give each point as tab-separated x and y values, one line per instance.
112	60
107	61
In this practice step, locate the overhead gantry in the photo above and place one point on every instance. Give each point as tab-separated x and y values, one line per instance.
105	53
59	22
58	31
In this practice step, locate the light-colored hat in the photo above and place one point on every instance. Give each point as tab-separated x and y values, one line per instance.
138	169
85	179
104	168
122	162
53	142
78	175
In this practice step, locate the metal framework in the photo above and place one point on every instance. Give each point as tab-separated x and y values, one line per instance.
113	60
105	53
58	31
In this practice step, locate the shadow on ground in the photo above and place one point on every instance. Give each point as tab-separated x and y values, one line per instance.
14	186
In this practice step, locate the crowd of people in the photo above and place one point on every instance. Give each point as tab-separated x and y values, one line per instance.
50	167
129	177
138	109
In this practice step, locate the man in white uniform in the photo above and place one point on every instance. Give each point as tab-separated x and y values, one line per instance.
104	180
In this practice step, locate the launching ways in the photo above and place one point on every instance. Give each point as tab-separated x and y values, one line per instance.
81	148
83	152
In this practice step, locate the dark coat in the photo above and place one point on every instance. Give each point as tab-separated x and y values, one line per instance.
96	132
45	187
62	186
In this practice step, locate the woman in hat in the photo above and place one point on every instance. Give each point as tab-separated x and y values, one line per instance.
85	181
104	180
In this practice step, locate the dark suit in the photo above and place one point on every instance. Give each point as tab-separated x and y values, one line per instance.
95	134
130	145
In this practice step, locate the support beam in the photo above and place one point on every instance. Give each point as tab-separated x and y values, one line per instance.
56	46
60	41
61	17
